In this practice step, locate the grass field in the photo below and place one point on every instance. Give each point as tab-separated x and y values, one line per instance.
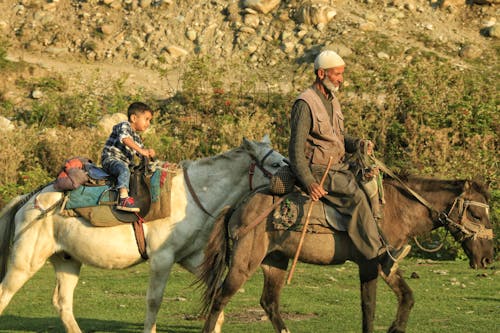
449	296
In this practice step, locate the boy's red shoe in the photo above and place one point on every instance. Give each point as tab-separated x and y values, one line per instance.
127	204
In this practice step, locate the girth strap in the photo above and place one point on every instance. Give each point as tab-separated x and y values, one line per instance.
139	236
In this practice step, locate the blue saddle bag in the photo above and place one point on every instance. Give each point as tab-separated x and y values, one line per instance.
87	196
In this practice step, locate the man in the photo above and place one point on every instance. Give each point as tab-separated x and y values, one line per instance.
317	133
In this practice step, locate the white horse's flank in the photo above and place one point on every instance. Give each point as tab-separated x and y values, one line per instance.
70	242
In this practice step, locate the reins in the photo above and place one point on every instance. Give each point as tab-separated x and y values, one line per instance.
469	229
260	165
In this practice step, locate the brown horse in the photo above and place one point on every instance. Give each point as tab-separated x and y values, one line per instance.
459	206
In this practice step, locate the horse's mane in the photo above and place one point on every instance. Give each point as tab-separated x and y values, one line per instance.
213	159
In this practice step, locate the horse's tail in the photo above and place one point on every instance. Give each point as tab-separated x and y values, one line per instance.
213	268
7	229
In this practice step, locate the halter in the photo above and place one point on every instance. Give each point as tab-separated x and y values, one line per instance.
251	172
260	165
467	228
462	230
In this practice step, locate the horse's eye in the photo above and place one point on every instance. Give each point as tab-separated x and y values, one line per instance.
276	165
474	216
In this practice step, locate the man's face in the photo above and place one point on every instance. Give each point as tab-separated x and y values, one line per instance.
332	78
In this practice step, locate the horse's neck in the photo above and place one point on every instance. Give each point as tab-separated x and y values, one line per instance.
221	182
405	216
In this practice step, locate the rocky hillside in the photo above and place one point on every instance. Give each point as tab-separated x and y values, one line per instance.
421	78
148	42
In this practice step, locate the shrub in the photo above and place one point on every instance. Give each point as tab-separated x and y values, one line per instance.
426	117
15	158
56	145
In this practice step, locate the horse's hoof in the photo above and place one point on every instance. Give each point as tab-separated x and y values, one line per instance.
394	329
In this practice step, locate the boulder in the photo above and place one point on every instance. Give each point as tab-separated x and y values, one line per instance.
313	13
5	125
494	31
261	6
108	121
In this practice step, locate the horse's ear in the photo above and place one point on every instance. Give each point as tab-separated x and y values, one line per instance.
266	139
247	144
467	185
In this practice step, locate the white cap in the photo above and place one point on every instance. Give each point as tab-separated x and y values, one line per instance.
328	59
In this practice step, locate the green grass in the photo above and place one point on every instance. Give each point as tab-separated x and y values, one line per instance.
449	296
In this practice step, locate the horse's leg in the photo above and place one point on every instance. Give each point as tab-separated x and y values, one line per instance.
368	274
405	298
232	283
274	268
247	255
192	264
160	268
29	254
18	273
67	274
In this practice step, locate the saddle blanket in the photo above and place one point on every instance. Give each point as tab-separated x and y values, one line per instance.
88	196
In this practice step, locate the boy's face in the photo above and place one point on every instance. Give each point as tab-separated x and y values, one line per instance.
140	122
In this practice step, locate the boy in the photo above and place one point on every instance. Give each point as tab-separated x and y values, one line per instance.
118	153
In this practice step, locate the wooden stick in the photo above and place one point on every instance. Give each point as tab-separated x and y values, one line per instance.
306	223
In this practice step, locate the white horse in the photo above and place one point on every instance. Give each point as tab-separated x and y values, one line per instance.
69	242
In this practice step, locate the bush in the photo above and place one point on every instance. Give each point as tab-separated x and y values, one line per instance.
16	162
58	144
427	118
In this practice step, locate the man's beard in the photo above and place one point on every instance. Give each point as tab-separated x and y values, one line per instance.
329	85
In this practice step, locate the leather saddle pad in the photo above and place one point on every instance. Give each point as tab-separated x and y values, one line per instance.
291	215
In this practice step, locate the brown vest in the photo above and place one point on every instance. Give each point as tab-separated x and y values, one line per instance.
327	135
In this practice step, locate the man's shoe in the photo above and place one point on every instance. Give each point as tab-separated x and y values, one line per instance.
127	204
389	260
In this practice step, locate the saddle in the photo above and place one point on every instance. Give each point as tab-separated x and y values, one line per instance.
290	214
97	203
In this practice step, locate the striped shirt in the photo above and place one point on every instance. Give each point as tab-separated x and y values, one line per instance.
114	148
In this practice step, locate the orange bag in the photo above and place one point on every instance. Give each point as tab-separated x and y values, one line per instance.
72	175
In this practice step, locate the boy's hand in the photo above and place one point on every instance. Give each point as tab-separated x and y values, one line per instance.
150	153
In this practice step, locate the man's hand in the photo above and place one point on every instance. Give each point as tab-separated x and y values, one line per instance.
369	173
316	191
366	146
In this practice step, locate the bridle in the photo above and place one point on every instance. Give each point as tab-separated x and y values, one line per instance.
260	165
465	228
461	230
251	171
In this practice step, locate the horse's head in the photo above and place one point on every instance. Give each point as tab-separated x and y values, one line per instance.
266	161
468	221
